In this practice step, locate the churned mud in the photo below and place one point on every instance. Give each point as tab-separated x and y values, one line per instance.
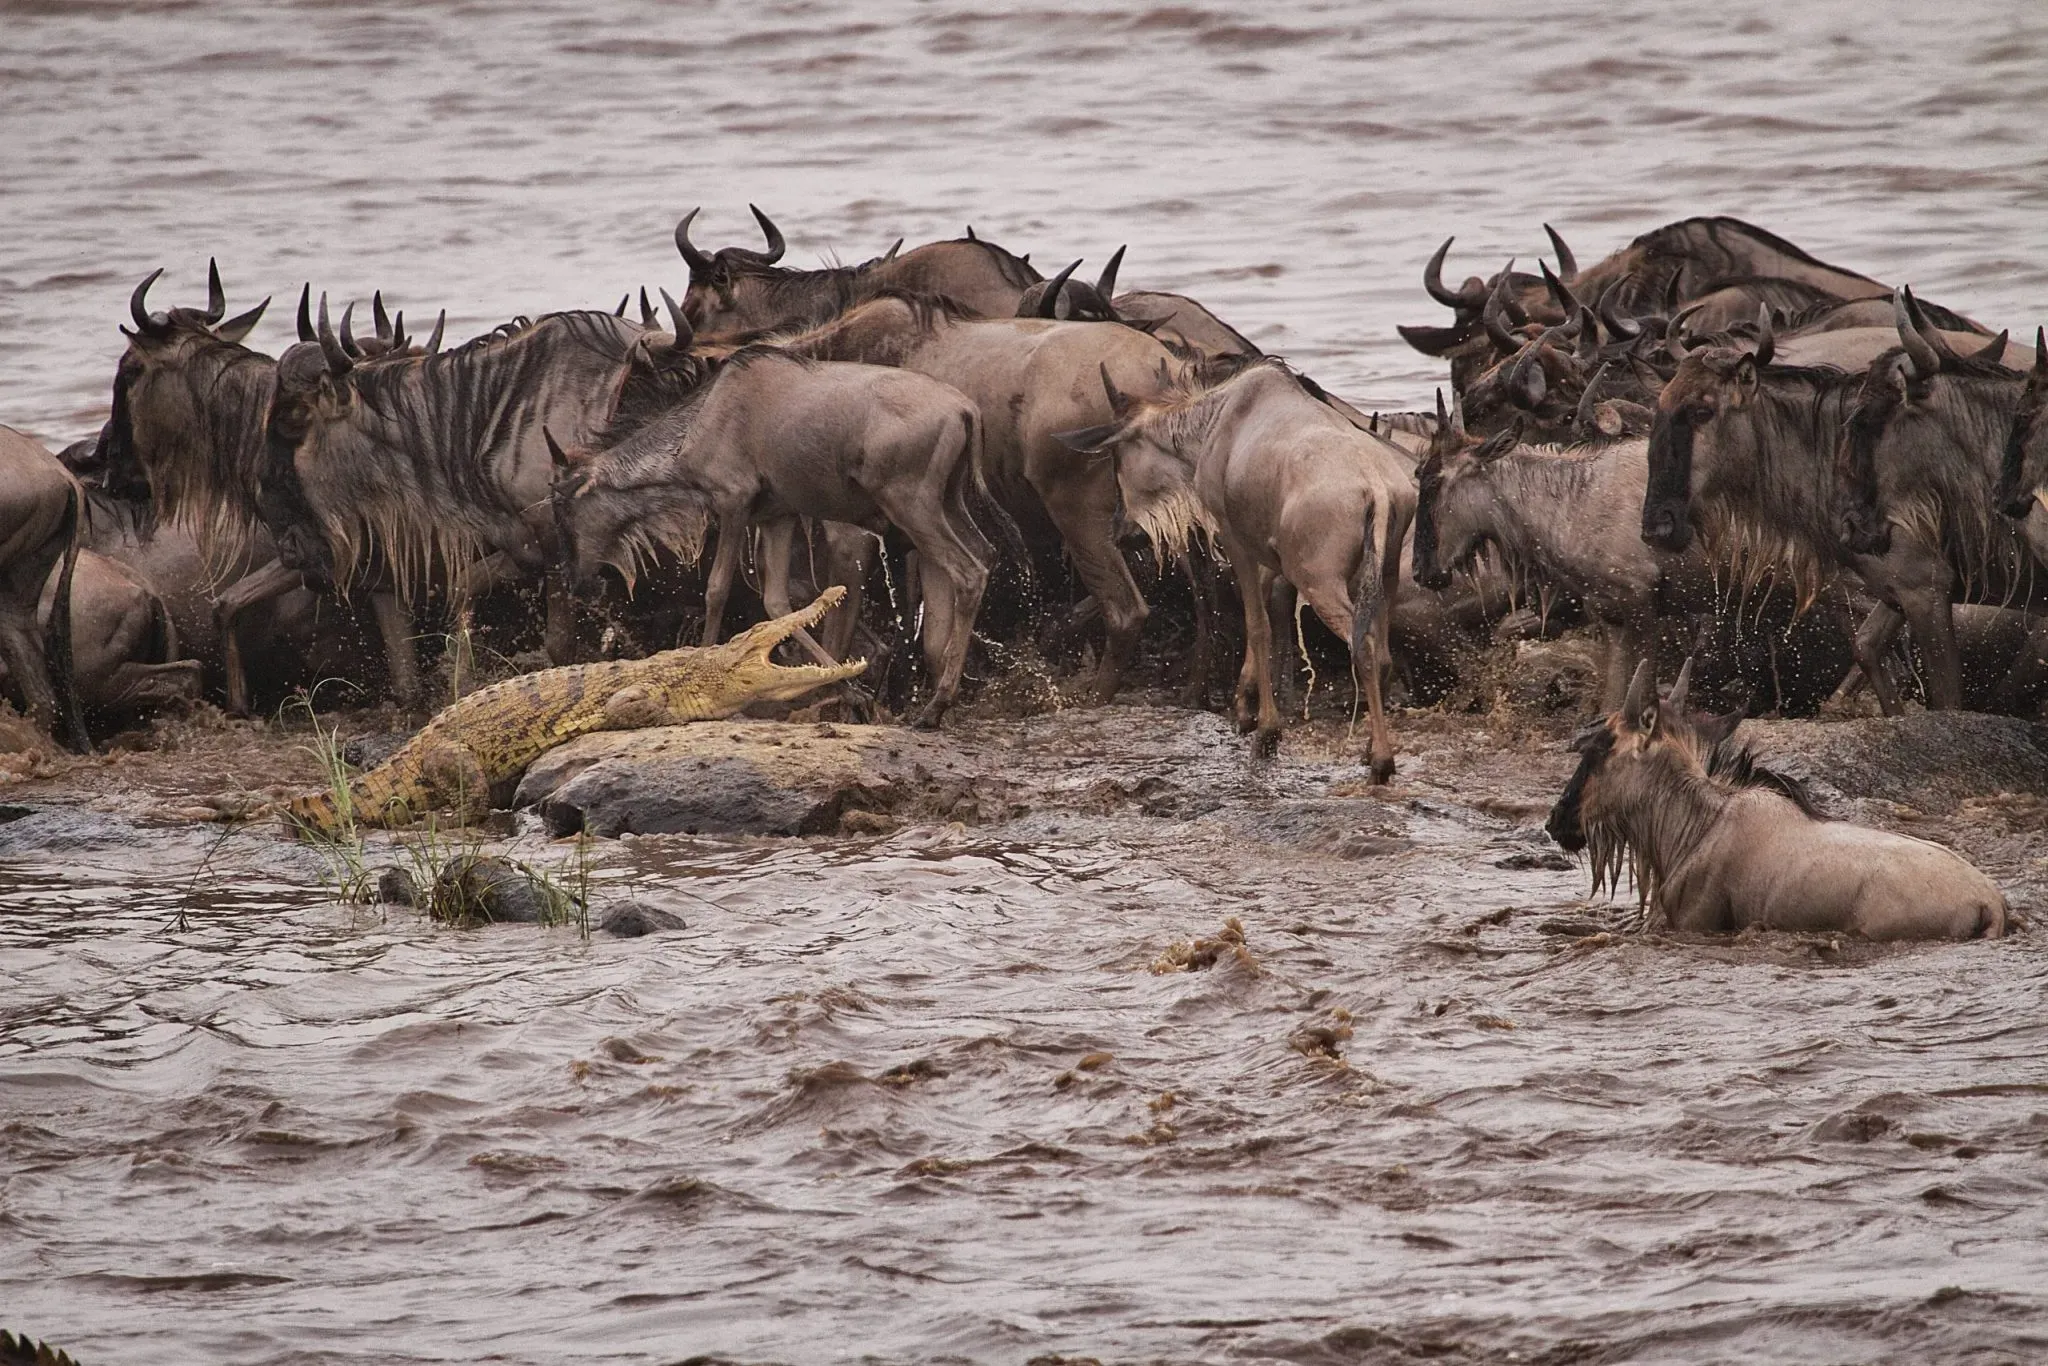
1072	1034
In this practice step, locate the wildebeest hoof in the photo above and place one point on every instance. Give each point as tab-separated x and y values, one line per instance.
1246	723
1265	743
1383	770
927	718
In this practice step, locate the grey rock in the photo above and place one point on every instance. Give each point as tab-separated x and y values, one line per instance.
474	887
368	751
397	887
632	919
1925	760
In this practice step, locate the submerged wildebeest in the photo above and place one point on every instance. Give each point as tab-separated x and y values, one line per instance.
1031	379
774	438
39	531
1289	489
187	438
1715	842
1748	451
739	290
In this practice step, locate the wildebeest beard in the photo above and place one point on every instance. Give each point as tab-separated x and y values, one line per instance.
419	466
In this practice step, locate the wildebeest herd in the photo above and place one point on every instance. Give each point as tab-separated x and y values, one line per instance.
1709	436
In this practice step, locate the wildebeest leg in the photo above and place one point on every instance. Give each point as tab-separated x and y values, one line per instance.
1194	689
1082	511
22	647
1629	640
778	540
1872	644
725	562
954	580
2023	680
401	656
272	580
1254	584
465	586
1282	603
848	553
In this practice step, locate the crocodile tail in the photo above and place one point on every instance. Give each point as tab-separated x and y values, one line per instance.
378	798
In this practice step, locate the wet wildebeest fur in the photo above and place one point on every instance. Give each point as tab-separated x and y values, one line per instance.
738	290
39	536
1031	379
1716	843
774	438
1289	489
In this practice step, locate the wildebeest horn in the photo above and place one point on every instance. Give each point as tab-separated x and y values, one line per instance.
1627	329
1675	699
1589	335
242	324
1433	281
379	316
648	316
1642	693
434	338
1507	342
697	261
2040	370
776	246
1559	290
1118	403
1993	350
136	310
970	233
1922	357
338	360
558	457
306	332
1567	264
1766	340
1050	299
348	339
1443	416
1584	420
624	299
216	297
398	330
678	323
1527	384
1105	283
1674	333
890	254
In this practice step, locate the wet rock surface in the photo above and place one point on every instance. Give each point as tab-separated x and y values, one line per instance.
637	919
1922	759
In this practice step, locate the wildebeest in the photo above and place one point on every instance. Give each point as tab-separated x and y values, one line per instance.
740	290
126	658
1031	379
1716	842
1289	489
777	437
187	438
39	530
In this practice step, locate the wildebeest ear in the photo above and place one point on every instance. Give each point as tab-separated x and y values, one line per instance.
1639	708
1089	440
242	324
1499	444
1744	378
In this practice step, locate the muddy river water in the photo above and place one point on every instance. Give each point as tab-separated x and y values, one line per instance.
920	1096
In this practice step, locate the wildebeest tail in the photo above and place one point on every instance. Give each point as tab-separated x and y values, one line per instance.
1367	601
971	492
57	636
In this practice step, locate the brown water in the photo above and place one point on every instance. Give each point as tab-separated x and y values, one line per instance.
844	1113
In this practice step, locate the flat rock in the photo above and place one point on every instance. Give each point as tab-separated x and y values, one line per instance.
634	919
1925	760
755	778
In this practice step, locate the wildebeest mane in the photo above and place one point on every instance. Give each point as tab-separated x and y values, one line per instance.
207	482
1735	765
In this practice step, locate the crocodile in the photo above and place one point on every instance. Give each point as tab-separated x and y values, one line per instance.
488	738
26	1351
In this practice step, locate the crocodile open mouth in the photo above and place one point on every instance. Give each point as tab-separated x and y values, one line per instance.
755	643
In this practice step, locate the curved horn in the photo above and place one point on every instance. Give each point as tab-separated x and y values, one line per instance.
1674	333
136	310
890	254
1642	693
338	361
1049	300
557	457
1559	290
348	339
1433	281
242	324
379	316
1626	329
306	332
697	261
2040	370
1118	402
776	246
1567	264
1105	283
1589	335
216	297
1585	420
1766	340
624	299
1922	356
648	317
681	325
398	330
434	339
1504	340
1994	350
1675	699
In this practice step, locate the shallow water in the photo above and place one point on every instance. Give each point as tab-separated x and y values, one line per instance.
844	1113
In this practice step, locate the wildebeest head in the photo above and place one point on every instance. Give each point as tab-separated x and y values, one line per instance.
1150	442
2023	473
1447	533
1485	311
1709	381
311	387
1619	756
1076	300
184	391
619	508
712	302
